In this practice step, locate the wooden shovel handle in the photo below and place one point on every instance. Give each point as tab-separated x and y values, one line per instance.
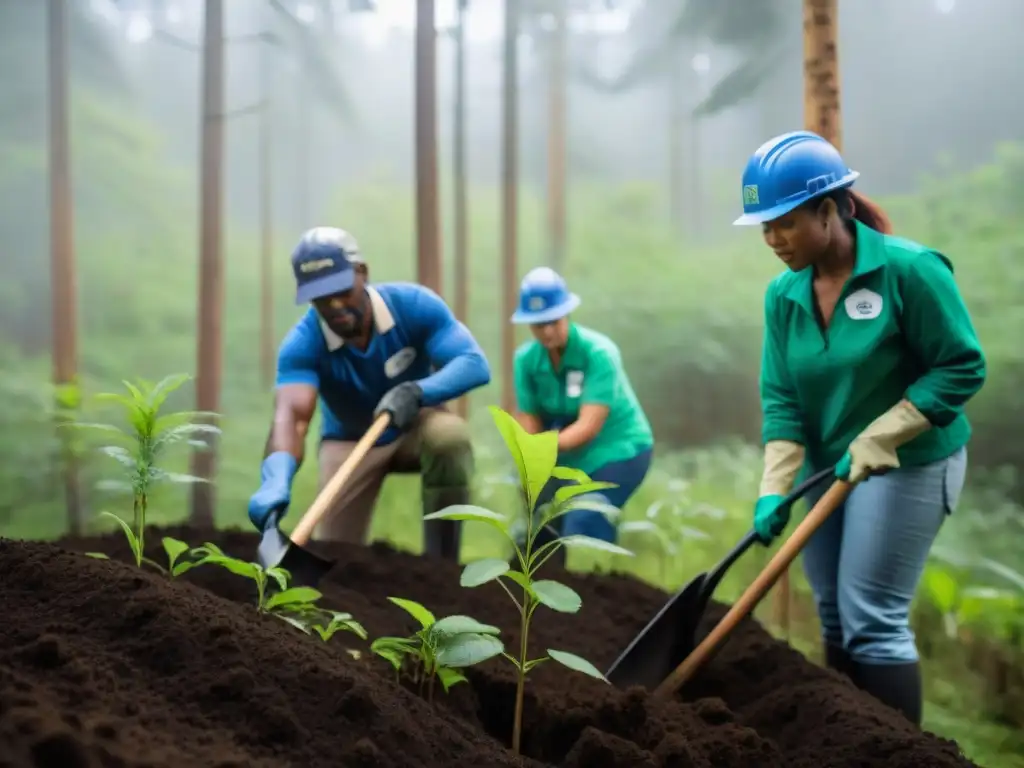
326	498
833	498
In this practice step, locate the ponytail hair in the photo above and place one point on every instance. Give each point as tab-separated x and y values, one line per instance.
868	213
856	206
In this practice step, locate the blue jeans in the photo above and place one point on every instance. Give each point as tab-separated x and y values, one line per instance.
866	560
628	474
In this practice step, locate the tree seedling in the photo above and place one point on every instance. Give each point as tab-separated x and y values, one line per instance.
139	448
440	648
535	457
295	605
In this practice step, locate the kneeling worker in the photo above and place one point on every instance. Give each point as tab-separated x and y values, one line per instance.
363	350
571	379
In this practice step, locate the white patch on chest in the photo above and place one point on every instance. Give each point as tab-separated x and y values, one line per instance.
573	383
399	362
863	305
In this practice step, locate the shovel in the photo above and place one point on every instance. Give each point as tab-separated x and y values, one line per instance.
670	636
278	550
703	653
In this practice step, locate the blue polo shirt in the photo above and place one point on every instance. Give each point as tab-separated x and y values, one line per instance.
417	338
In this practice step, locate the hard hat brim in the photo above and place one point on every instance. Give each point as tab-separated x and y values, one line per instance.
325	286
770	214
548	315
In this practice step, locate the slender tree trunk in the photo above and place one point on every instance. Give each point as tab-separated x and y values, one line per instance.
461	235
557	138
209	326
267	361
64	300
509	207
428	231
822	115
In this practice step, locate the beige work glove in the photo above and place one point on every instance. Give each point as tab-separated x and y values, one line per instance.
874	450
782	462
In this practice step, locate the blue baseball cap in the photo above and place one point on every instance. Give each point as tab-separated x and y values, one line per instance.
324	263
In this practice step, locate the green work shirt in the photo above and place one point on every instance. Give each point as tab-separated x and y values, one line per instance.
590	372
900	330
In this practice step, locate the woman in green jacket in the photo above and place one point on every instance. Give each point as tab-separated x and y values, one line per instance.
869	359
570	379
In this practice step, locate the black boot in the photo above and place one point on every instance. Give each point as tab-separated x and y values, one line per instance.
895	685
838	659
441	538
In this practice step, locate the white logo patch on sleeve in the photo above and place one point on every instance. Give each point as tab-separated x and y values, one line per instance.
399	362
863	305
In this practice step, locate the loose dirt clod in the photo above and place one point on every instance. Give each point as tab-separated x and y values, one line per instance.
102	664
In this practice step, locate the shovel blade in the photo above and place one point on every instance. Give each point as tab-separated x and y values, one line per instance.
664	643
276	550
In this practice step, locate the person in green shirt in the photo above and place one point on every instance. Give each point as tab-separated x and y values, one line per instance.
570	379
869	358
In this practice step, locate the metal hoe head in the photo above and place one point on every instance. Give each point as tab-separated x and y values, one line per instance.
276	550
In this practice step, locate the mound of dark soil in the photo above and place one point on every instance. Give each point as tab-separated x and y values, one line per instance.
104	665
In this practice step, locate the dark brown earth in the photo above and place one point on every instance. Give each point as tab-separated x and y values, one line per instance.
103	665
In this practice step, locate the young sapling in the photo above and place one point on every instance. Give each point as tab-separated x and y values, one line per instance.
295	605
139	447
440	648
535	457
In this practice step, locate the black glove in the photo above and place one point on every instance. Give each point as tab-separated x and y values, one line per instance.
403	403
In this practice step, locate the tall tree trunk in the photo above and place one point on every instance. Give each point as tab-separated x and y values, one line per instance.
209	326
509	202
557	138
428	231
461	235
64	300
267	362
821	115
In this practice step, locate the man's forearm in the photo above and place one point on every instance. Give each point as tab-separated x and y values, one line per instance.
287	434
575	435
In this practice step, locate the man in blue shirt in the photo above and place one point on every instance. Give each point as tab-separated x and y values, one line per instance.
362	350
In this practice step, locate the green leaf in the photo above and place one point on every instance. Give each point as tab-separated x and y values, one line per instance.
449	677
97	555
414	609
459	625
129	534
482	571
238	567
297	623
535	455
174	549
341	621
392	656
468	512
182	567
567	492
591	505
293	596
557	596
577	541
280	576
576	663
469	649
571	474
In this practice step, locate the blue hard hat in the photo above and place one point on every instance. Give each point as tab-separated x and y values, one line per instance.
544	297
323	263
787	171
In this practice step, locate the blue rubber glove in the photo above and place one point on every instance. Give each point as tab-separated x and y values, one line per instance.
275	494
770	517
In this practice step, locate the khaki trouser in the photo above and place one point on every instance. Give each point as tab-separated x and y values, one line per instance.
437	446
